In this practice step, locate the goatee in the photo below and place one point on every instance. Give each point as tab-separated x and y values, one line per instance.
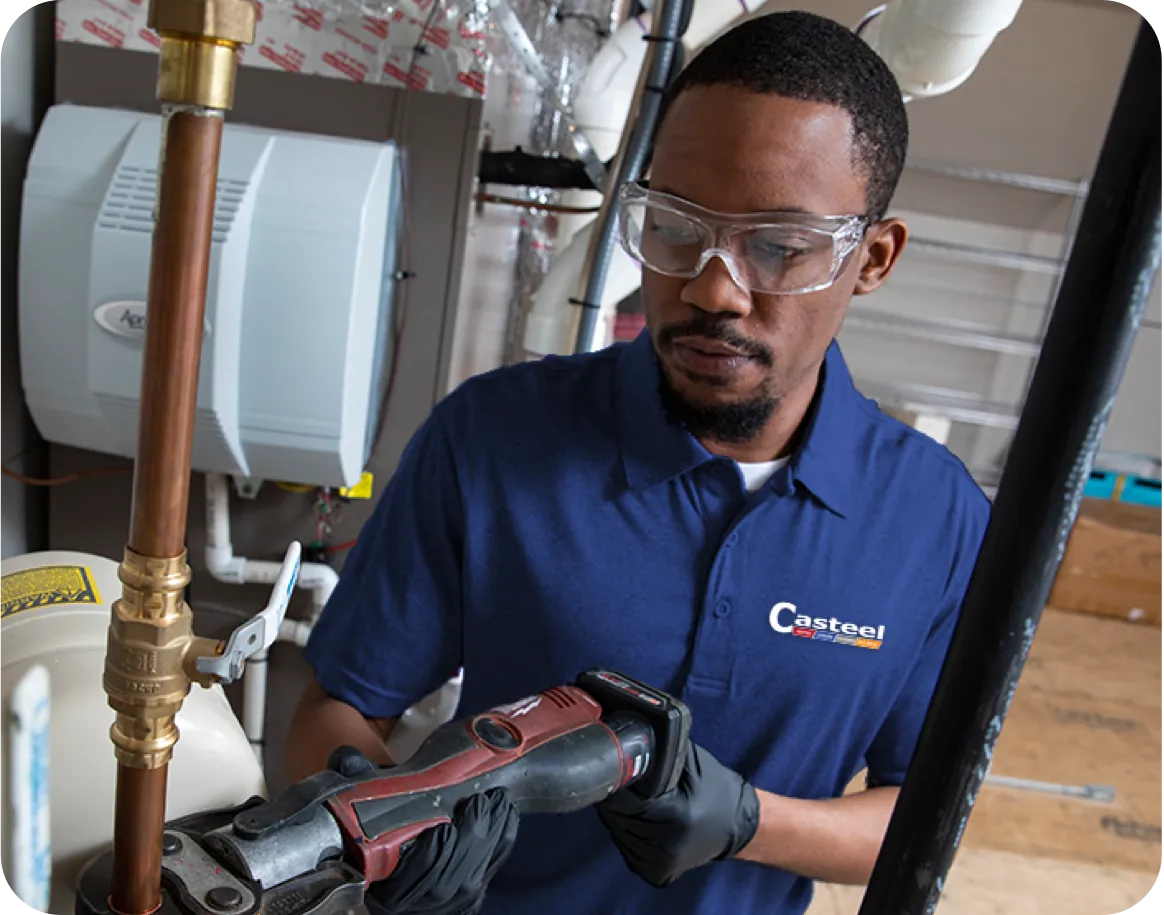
732	423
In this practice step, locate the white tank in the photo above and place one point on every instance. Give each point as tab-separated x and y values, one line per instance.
56	615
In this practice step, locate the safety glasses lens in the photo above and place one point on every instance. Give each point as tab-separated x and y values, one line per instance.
664	239
784	258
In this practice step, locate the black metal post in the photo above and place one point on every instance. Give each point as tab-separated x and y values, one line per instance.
1097	312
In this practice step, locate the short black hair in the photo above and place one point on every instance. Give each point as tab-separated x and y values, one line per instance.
804	56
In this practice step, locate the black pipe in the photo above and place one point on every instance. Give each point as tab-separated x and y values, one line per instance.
524	169
1097	312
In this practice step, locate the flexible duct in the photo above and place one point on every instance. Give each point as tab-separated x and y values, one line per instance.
567	34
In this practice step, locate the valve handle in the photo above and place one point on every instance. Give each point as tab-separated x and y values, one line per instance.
260	631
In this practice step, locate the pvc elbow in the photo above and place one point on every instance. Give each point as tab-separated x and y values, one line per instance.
321	580
295	632
223	565
933	46
318	575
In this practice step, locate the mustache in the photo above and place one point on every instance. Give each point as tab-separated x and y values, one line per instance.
717	329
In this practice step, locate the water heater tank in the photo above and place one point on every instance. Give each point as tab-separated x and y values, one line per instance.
298	307
55	615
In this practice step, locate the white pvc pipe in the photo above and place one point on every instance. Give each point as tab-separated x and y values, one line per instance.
933	46
320	579
604	99
416	723
548	328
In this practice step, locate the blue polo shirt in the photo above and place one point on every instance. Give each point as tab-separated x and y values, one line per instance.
549	518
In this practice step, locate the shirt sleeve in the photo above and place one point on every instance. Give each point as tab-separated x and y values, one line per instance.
391	631
889	755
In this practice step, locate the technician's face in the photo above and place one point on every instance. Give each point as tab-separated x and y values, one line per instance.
736	152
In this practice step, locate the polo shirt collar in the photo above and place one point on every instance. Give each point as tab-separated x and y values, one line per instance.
655	449
828	460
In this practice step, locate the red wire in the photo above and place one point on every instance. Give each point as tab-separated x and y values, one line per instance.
340	547
69	478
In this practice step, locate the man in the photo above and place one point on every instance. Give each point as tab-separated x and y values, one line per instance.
712	509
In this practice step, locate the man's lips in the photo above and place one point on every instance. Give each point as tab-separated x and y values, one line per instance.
704	356
707	347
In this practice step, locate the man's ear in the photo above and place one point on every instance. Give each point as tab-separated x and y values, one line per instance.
882	247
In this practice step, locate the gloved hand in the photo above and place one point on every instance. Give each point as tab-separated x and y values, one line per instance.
350	762
447	869
709	816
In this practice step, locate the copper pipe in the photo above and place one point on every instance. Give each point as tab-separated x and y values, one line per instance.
176	308
137	840
173	347
152	653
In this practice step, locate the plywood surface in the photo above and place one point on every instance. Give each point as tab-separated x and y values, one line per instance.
998	883
1087	711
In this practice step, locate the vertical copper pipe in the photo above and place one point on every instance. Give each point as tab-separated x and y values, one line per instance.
137	839
173	346
176	308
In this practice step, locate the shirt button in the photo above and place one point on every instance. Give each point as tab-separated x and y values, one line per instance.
722	609
733	539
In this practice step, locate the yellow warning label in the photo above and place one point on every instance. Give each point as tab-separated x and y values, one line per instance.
362	490
46	586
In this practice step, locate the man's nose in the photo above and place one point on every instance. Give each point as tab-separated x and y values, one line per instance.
716	292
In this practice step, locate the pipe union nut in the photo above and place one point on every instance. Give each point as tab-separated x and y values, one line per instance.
230	21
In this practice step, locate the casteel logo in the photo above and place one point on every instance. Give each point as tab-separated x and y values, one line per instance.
785	619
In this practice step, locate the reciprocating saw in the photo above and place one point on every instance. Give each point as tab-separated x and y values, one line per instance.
314	849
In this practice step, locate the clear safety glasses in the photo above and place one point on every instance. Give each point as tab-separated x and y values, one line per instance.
774	253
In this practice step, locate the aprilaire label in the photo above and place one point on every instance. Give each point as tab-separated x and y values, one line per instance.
785	620
127	319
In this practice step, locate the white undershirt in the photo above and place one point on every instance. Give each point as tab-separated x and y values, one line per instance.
756	475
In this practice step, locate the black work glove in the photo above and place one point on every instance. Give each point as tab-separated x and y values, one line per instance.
350	762
447	869
709	816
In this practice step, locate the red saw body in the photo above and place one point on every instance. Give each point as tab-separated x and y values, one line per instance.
313	849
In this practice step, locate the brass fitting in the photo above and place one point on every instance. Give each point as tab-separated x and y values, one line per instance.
200	41
150	658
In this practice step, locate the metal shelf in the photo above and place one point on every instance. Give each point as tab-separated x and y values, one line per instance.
965	407
955	333
1047	185
1146	466
957	406
991	257
1139	465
